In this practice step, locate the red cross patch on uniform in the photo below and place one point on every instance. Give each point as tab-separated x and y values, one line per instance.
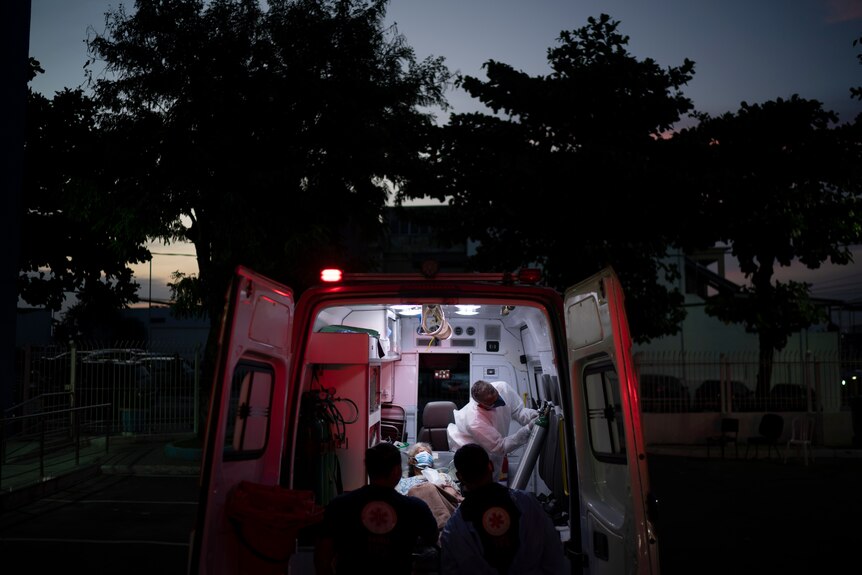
379	517
496	521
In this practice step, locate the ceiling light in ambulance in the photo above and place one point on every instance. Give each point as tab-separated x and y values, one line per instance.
467	309
407	309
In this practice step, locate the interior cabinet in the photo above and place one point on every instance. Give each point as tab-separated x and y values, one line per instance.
345	365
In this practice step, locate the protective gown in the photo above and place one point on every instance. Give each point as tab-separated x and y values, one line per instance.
490	428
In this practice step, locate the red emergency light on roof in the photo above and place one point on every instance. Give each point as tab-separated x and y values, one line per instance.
530	275
330	275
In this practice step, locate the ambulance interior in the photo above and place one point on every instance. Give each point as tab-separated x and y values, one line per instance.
396	372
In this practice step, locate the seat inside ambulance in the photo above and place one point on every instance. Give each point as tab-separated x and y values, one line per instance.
436	417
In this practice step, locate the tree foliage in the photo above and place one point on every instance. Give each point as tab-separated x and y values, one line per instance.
779	185
186	295
263	133
268	133
75	239
564	173
856	91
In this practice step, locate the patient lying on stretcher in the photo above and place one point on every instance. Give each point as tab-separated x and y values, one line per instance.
434	486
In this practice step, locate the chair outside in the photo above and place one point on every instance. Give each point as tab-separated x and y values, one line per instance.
801	435
729	435
769	432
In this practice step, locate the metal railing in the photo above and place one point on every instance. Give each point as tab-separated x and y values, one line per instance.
32	443
675	381
155	387
140	389
134	389
71	400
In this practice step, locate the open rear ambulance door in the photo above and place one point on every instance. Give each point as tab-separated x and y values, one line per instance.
617	532
246	419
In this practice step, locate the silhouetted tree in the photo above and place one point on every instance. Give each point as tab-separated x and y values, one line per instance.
74	239
569	172
264	132
856	91
186	295
778	186
96	316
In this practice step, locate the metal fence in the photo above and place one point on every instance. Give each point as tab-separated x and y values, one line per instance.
35	446
155	387
725	382
138	388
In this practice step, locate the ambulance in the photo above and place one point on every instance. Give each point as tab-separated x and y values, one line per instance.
304	385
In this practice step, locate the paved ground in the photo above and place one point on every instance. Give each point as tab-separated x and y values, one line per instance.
758	516
24	480
105	524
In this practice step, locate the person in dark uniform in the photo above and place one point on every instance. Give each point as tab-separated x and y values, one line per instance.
375	527
497	530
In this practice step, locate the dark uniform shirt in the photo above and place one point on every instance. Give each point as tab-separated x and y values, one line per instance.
497	521
376	528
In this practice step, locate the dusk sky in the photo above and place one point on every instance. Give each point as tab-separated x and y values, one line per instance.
744	50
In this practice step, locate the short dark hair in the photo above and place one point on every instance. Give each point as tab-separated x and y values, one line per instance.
381	458
482	391
471	462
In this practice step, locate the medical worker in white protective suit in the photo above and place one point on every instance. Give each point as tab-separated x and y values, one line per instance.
486	418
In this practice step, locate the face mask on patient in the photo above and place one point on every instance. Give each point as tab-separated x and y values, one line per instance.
424	459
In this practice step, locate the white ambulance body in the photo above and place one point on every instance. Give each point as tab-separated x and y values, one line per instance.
304	387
